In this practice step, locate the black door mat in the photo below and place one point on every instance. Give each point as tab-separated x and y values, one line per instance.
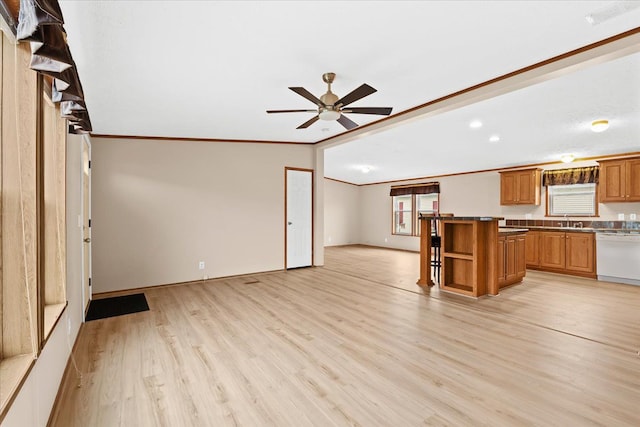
116	306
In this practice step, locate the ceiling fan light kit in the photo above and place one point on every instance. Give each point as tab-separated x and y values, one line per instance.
331	108
600	125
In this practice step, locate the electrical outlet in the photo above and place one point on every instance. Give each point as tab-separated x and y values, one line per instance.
201	265
632	217
528	216
620	217
386	240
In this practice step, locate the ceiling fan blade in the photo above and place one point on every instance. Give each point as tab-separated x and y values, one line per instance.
356	94
309	122
292	111
347	122
383	111
306	94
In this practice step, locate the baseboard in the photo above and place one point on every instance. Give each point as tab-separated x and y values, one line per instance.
65	378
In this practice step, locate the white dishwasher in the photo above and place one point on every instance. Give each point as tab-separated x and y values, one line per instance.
618	257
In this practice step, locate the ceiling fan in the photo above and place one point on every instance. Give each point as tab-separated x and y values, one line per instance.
330	107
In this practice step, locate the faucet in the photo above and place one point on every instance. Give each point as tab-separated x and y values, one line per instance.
567	220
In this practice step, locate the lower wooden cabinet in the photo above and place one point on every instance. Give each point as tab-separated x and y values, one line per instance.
532	248
562	252
580	254
511	259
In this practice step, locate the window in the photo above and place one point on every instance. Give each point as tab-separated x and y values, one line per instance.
406	209
403	215
575	200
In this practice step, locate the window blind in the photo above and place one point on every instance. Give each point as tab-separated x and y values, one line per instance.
579	199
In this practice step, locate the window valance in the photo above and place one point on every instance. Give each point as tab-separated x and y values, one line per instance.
586	175
40	22
423	188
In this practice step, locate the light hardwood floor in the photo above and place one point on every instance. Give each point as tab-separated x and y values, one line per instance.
357	343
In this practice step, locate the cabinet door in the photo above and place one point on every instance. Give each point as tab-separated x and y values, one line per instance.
510	255
521	267
633	180
508	189
580	252
612	181
552	249
526	188
501	260
532	248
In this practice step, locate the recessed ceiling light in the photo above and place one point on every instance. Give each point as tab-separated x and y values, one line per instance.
494	138
325	129
365	169
475	124
567	158
600	125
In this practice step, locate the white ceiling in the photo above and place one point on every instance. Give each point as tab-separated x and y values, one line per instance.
210	69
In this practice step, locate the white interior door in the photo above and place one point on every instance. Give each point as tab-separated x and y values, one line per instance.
299	218
86	223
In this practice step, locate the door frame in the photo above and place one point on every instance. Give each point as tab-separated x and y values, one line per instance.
86	299
286	171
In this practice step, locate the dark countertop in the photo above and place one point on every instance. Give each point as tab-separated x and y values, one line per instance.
573	229
511	230
463	218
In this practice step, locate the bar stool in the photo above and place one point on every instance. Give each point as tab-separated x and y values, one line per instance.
436	244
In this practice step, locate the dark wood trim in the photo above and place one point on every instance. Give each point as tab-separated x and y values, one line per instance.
340	181
504	169
13	6
496	80
190	139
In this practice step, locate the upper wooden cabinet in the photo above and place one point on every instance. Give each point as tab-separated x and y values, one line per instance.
520	187
620	180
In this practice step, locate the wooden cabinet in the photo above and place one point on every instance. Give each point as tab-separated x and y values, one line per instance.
520	187
553	249
562	252
511	259
620	180
532	249
580	254
469	256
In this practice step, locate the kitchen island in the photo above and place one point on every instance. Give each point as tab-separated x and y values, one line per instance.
475	258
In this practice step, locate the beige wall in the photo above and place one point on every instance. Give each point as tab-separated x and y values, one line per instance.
471	194
35	399
342	213
160	207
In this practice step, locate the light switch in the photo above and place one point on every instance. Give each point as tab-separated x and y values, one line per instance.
632	217
620	217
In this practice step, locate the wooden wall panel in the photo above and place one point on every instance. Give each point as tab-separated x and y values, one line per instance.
53	206
19	204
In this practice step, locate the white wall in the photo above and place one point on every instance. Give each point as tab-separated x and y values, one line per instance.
342	213
34	402
160	207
